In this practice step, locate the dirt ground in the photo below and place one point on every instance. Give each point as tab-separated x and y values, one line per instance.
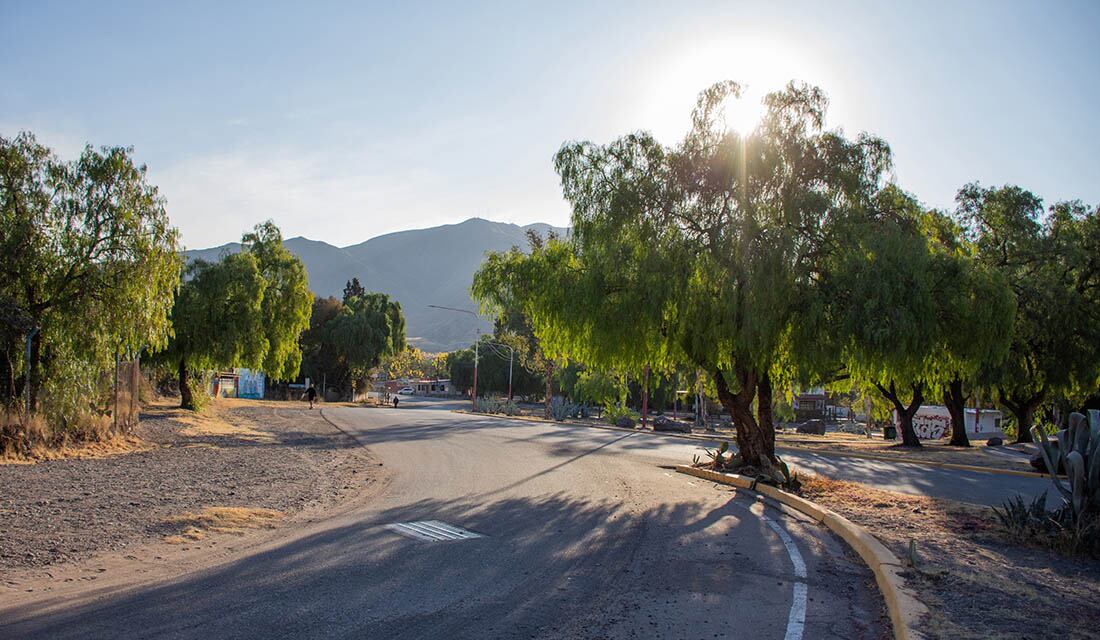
976	582
239	465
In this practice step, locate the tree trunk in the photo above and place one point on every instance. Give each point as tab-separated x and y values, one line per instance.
34	370
955	401
547	414
905	413
764	409
1023	408
187	401
754	443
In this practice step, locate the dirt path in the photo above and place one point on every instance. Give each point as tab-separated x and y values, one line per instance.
240	465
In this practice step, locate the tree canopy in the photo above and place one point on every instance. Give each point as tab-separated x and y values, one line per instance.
89	258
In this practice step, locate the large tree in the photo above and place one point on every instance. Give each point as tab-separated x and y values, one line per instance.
1050	264
287	301
697	253
218	320
89	258
368	328
907	310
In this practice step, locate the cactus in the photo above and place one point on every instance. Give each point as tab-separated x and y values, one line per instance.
561	409
1079	448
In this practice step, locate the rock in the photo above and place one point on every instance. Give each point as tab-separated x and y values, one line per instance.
626	422
995	441
813	427
664	423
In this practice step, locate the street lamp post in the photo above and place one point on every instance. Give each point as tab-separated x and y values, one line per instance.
473	395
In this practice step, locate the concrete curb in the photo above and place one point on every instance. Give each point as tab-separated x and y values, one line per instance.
904	609
833	454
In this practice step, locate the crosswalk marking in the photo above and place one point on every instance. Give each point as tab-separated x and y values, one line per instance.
432	531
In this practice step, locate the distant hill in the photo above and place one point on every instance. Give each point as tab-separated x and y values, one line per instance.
417	268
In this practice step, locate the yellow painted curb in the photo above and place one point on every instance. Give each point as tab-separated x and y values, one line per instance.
904	609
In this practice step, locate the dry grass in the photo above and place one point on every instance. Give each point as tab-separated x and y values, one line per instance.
976	581
212	421
193	527
92	437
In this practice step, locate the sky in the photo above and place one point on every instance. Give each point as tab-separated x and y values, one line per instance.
344	121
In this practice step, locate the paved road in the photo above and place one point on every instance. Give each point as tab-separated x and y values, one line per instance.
966	486
581	535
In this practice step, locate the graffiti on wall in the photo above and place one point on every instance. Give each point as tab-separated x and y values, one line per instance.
931	427
250	384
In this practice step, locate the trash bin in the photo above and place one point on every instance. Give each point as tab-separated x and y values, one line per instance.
890	433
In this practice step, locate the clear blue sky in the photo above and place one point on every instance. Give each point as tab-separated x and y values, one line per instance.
345	121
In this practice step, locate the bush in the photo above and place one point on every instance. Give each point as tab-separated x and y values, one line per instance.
497	406
614	412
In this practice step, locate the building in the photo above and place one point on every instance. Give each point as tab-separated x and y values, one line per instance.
933	422
810	404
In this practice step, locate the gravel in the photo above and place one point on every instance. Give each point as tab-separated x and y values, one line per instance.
67	510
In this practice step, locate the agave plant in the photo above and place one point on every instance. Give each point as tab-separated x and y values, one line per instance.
1079	448
561	409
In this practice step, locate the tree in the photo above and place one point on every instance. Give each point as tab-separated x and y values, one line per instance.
320	359
89	258
697	254
287	301
353	289
908	311
218	320
1053	274
367	328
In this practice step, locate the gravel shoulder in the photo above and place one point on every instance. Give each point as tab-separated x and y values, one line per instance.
977	582
238	458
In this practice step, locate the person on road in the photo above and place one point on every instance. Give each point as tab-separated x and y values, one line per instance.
311	395
395	400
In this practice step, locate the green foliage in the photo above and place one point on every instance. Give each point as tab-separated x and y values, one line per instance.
1051	267
696	254
287	301
346	340
614	412
367	328
218	318
90	258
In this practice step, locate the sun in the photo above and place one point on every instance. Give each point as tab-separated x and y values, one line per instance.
760	65
743	114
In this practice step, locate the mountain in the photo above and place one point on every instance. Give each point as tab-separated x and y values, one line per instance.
418	268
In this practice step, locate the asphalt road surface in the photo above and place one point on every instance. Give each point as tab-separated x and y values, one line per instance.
486	528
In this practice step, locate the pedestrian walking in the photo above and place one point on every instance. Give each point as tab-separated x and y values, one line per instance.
395	400
311	394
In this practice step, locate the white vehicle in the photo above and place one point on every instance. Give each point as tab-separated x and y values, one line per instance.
407	391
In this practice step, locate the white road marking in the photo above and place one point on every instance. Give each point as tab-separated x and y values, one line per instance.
432	531
796	622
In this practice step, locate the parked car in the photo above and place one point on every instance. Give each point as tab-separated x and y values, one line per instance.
407	391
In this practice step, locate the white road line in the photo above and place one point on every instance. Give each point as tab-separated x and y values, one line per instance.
796	622
432	531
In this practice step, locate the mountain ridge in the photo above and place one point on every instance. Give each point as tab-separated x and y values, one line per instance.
416	267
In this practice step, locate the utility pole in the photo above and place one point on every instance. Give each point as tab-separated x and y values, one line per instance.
511	354
473	395
645	396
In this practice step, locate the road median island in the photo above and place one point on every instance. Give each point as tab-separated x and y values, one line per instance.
240	466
